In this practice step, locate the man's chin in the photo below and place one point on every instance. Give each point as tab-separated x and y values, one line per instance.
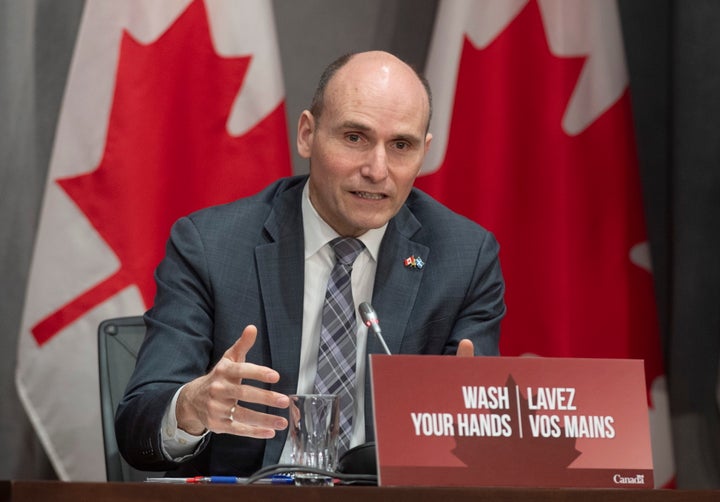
371	224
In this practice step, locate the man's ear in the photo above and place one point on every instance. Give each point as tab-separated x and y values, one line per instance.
305	133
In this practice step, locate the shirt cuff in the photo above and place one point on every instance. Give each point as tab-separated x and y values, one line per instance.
177	445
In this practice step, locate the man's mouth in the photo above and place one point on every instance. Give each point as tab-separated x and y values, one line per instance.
370	195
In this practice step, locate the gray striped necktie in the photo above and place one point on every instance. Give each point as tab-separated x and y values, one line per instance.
337	351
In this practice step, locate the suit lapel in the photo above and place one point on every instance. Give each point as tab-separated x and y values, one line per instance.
280	264
395	291
396	285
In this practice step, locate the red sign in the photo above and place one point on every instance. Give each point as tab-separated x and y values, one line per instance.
511	421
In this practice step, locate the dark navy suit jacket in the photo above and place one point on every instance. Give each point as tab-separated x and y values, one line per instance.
243	263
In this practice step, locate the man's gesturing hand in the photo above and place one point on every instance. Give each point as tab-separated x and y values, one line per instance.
206	402
465	348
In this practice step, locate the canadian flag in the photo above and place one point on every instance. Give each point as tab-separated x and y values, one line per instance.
169	107
533	138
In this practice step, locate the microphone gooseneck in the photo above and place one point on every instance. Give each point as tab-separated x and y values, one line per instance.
370	318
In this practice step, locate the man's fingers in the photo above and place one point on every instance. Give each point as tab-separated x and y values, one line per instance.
250	394
465	348
237	372
224	389
233	366
208	402
233	418
250	418
242	346
251	431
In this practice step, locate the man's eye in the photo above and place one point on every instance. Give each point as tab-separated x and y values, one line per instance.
353	138
402	145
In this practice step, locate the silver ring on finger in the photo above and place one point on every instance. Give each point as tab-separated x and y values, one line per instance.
232	414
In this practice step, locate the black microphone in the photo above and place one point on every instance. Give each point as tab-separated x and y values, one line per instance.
370	319
362	459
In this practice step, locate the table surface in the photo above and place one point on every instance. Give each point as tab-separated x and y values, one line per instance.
59	491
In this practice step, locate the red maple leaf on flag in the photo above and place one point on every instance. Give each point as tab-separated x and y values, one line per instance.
566	209
168	153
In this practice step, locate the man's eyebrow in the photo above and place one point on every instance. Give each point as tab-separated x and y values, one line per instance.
410	138
359	126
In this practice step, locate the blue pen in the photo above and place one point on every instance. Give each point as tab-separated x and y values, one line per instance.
221	480
277	479
196	480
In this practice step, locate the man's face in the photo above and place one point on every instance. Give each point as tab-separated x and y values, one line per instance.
367	147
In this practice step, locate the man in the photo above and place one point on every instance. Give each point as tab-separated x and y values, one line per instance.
202	401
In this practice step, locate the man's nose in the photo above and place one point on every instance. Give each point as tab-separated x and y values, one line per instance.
376	165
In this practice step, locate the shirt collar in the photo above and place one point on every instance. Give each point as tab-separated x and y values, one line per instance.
318	233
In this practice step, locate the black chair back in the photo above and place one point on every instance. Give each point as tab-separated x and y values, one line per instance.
119	341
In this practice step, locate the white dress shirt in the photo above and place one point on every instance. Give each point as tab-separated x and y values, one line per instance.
319	261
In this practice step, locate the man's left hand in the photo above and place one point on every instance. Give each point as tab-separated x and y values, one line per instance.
465	348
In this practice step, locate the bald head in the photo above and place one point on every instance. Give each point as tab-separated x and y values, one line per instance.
375	68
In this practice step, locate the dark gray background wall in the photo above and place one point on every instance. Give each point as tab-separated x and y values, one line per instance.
672	48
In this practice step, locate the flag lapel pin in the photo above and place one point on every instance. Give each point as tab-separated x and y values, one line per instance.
413	261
